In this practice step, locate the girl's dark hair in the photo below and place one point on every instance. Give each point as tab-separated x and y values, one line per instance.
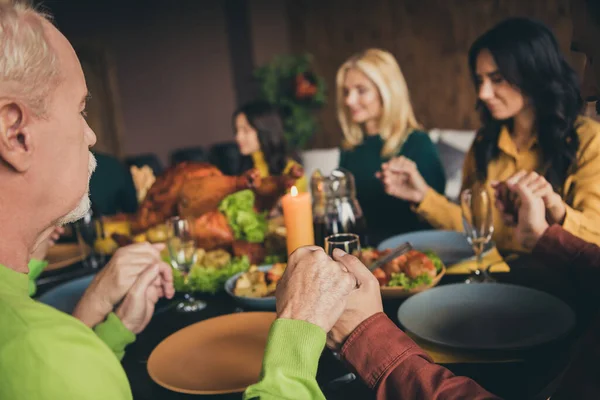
528	57
268	124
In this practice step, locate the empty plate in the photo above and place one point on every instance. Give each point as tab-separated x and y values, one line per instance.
216	356
452	247
66	296
487	316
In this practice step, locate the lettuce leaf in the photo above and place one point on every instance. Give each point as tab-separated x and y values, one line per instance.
245	223
402	280
437	261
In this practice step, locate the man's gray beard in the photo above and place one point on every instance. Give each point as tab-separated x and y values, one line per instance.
84	204
78	212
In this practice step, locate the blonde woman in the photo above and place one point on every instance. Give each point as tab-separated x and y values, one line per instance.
378	123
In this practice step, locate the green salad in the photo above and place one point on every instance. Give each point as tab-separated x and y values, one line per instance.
208	279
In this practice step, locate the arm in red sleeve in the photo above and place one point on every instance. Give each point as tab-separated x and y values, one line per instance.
558	248
390	363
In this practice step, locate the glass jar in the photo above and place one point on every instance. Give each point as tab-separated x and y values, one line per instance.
335	207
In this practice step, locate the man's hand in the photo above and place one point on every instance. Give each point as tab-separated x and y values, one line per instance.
314	288
532	216
116	279
362	303
138	306
402	179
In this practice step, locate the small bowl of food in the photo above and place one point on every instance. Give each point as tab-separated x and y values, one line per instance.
408	274
255	288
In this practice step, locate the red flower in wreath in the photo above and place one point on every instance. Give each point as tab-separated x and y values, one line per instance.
305	87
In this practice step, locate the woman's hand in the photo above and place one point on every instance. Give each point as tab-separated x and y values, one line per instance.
401	179
540	187
532	222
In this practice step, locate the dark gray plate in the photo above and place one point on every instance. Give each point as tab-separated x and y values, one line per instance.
452	247
262	303
486	316
66	296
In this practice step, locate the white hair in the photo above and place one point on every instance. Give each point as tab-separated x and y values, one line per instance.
84	204
29	68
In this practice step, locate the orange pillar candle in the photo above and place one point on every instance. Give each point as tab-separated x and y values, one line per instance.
297	214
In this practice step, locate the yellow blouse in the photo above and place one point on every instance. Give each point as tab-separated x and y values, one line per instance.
581	190
261	165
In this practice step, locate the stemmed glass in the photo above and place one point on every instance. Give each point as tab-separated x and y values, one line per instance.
87	230
476	205
182	249
350	243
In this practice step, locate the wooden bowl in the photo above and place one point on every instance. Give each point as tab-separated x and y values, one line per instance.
391	292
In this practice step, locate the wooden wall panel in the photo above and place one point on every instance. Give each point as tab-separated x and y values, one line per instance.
429	38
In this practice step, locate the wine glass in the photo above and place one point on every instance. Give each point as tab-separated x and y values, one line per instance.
182	249
476	204
349	242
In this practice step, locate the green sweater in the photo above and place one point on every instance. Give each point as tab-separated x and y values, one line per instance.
290	363
386	215
47	354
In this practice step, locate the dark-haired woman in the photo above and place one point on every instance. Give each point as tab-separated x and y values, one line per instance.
260	137
529	103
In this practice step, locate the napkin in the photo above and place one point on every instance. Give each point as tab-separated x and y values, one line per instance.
493	257
143	179
447	355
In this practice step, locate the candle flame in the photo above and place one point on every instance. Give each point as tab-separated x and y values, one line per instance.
294	191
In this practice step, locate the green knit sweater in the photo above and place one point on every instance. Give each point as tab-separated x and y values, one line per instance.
387	215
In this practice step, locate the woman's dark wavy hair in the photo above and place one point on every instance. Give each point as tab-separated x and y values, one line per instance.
267	122
528	57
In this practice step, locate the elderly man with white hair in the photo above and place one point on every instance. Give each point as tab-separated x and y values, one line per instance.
45	167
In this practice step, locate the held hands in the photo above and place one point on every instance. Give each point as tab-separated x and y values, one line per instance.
539	187
531	216
401	179
117	279
335	294
361	304
314	288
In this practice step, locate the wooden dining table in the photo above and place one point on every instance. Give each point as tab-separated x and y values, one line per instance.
530	374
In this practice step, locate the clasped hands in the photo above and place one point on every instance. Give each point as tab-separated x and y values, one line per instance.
130	285
335	294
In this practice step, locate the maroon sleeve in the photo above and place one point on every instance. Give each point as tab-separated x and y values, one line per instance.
390	363
558	248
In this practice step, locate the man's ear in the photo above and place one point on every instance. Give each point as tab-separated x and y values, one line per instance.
15	140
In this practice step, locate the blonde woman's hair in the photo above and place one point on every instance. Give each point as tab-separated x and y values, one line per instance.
397	119
29	68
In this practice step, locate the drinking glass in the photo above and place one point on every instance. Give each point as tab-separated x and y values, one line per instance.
182	249
349	242
476	205
87	230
